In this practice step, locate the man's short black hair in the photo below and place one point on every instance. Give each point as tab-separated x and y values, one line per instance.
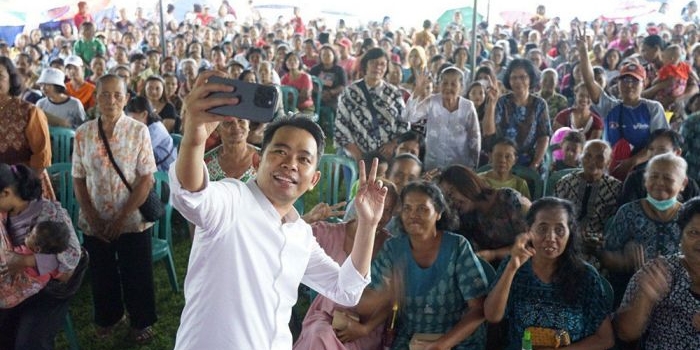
297	121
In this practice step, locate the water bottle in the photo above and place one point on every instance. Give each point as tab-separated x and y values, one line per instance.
527	341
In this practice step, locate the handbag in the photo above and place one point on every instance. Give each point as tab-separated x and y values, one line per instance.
549	337
65	290
153	208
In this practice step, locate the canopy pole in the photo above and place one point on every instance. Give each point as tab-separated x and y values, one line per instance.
163	53
473	40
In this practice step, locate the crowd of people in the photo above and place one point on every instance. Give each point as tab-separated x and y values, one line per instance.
447	239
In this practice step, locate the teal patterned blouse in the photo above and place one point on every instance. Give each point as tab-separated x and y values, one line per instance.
435	297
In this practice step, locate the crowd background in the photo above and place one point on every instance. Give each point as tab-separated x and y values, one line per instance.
606	112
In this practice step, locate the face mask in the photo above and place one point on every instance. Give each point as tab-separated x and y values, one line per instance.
661	205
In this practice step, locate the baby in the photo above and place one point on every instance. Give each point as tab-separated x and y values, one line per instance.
671	79
46	237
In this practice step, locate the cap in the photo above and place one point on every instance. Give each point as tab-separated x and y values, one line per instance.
52	76
345	42
634	69
74	60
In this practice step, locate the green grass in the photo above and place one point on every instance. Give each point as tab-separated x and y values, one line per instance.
168	305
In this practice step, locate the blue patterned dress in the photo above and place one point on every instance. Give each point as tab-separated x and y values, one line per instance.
522	124
534	303
436	297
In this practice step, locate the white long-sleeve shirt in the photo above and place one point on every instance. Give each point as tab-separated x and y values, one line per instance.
245	267
451	137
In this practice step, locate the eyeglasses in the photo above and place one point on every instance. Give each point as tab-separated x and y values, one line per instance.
519	77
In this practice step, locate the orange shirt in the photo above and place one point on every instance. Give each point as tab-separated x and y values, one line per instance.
85	93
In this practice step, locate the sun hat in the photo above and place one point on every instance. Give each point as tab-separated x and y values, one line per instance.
52	76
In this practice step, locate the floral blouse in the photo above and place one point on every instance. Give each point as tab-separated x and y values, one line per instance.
131	146
211	159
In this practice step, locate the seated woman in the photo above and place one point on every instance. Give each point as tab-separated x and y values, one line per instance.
164	149
545	283
502	160
317	332
646	228
442	285
234	157
490	218
660	306
46	237
579	117
452	126
594	195
300	80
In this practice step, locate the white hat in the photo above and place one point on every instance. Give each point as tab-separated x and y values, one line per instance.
52	76
74	60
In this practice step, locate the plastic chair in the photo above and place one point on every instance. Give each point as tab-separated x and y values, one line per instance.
162	231
290	98
317	93
533	178
62	181
326	118
61	144
70	332
554	177
177	138
331	167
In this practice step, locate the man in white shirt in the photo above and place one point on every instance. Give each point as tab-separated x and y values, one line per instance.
251	249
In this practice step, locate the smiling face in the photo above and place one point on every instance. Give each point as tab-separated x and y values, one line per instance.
519	80
154	90
664	180
477	94
550	233
690	240
451	84
233	131
287	168
418	214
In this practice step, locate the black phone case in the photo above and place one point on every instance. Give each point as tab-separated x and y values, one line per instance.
256	102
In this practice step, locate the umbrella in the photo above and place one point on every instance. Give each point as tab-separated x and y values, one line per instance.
467	13
522	17
628	10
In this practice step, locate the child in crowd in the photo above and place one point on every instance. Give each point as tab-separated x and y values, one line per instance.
571	147
503	158
410	142
47	237
671	79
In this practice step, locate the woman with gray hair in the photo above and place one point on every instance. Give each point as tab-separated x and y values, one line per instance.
646	228
555	101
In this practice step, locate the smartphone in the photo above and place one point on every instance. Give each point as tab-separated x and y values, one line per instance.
256	102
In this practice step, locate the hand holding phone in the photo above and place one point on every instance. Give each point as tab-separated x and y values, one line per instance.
256	102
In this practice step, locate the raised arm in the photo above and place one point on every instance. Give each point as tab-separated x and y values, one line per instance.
197	127
369	204
594	90
497	300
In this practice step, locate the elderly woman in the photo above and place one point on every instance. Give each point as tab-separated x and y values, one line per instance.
234	157
519	115
660	306
317	331
24	129
646	228
489	218
452	126
441	287
556	102
594	195
34	323
579	117
545	282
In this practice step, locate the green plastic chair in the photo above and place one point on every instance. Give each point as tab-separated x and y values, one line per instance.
177	138
317	93
70	332
554	177
61	144
533	178
162	243
62	181
290	98
332	173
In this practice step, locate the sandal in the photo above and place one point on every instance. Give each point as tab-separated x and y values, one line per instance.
143	336
106	332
